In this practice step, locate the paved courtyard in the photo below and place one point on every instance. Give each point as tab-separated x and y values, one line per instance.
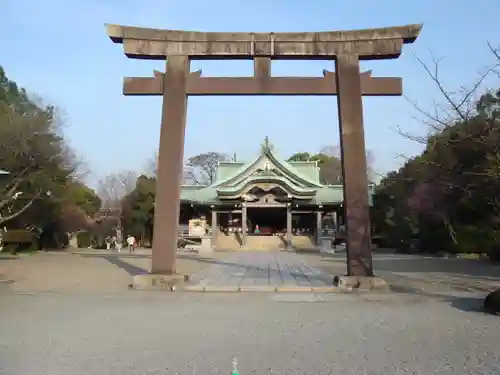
260	271
110	273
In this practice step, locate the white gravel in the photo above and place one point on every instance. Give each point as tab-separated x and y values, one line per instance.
175	333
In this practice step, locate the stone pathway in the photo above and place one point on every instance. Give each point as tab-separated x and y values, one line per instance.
278	271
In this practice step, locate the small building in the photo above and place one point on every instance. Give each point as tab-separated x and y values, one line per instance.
267	203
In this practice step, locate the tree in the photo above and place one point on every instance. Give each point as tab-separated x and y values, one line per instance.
114	187
391	213
78	208
202	168
333	170
138	209
41	192
34	153
449	192
330	165
151	166
83	197
330	168
300	156
112	190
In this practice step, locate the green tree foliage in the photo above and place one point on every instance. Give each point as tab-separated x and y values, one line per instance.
449	194
137	204
330	167
138	209
40	189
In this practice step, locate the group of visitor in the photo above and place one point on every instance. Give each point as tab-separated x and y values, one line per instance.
114	242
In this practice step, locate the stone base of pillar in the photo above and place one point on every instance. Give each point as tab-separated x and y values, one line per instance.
153	281
360	283
205	246
326	244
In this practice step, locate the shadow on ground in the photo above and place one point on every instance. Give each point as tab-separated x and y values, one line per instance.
404	263
8	257
135	270
466	304
131	269
388	267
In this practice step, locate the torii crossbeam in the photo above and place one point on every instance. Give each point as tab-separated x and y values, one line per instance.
262	84
346	48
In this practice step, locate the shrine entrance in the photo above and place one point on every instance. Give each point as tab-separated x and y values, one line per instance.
266	220
266	228
346	48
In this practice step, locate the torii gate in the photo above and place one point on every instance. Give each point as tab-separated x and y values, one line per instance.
346	48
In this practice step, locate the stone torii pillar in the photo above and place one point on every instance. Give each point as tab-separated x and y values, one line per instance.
170	165
347	48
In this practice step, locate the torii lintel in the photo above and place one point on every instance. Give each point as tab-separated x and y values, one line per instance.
377	43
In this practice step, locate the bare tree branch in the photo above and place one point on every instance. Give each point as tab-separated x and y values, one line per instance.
494	51
203	167
114	187
458	106
5	219
151	168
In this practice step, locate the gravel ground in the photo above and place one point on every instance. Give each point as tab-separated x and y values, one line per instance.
176	333
72	314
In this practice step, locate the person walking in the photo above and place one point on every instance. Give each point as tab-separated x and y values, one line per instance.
117	243
131	243
108	241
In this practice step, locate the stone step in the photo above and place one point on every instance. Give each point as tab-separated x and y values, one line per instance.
232	241
227	242
304	242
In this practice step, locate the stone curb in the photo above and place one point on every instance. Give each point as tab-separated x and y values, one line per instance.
256	288
329	289
193	288
222	289
263	289
291	289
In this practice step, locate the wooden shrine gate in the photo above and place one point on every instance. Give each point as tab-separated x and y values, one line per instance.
346	48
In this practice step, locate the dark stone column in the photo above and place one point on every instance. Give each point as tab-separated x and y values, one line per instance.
170	165
319	226
214	227
335	221
352	144
289	226
243	224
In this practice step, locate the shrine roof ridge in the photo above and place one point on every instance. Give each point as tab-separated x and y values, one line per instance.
118	33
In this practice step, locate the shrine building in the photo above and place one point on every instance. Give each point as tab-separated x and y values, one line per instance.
265	204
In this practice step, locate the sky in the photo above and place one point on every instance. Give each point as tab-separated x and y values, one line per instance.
59	50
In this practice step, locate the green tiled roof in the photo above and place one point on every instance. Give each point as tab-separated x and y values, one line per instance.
327	194
268	153
300	178
227	169
307	168
299	190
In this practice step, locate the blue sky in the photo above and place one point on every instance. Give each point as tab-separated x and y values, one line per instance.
59	49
